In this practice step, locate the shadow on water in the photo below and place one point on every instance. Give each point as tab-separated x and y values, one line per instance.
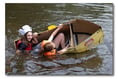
98	61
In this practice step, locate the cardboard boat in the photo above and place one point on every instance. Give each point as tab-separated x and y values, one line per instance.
85	34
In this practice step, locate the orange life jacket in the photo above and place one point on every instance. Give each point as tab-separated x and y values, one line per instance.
52	52
28	48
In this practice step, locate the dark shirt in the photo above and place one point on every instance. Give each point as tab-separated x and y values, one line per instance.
22	46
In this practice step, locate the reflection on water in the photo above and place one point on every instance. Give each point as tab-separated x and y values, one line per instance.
39	16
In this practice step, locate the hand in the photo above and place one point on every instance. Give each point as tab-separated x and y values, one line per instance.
60	26
18	52
35	34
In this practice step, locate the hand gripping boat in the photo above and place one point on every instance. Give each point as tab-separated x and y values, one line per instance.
82	35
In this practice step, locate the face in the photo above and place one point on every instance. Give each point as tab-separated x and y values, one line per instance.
29	36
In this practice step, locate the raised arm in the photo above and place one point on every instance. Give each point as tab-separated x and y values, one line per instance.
55	32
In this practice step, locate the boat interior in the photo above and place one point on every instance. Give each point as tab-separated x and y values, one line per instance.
81	30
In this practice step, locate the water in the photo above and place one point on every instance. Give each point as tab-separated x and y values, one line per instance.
98	61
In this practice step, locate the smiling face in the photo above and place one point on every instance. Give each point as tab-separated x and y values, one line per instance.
29	36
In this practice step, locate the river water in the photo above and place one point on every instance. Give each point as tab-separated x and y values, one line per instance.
98	61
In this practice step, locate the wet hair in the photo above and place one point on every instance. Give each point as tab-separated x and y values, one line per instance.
24	38
48	47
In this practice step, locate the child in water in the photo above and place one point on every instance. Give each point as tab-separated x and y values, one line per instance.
51	46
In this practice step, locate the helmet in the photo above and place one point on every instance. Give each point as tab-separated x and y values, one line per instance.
24	29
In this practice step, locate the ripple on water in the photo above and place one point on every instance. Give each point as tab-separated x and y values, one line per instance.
94	62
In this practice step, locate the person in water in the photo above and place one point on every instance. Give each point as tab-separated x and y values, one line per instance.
52	45
29	43
26	43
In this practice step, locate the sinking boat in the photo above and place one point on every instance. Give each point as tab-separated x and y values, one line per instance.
84	35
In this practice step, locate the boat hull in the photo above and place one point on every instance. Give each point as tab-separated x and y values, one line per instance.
91	42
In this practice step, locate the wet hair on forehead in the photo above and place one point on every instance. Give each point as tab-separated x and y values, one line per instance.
27	33
48	46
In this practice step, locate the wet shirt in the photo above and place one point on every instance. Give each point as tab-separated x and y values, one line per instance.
23	46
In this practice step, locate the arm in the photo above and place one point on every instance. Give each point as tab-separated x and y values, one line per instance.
63	50
55	32
35	38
